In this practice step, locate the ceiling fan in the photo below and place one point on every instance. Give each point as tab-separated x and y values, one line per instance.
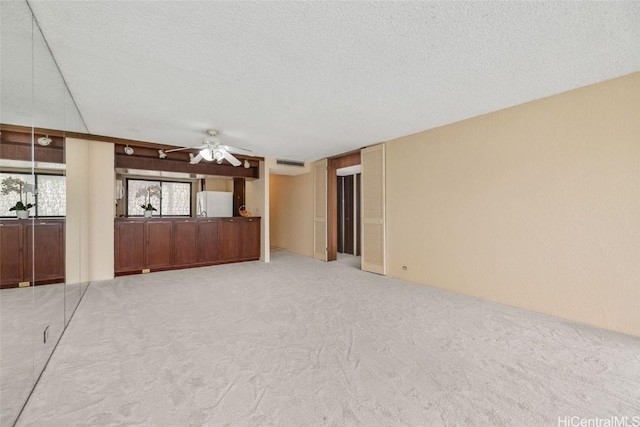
211	149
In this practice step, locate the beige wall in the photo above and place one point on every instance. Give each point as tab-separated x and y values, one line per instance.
217	184
77	219
536	206
102	209
90	209
291	208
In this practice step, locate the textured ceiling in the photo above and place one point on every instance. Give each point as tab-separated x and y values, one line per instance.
305	80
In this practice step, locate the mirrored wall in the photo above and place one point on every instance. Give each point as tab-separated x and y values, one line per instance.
41	267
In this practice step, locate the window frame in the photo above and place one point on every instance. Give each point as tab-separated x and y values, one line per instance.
35	175
159	211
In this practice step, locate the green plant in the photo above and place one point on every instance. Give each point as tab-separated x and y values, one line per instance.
148	193
148	207
16	185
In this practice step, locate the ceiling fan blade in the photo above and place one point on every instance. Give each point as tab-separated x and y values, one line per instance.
195	159
200	147
229	157
236	149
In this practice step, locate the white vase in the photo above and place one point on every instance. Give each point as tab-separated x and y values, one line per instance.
21	214
147	214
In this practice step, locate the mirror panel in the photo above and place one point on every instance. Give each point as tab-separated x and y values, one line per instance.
17	375
47	237
40	250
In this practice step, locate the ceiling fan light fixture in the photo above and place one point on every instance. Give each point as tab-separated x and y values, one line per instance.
218	155
207	154
44	140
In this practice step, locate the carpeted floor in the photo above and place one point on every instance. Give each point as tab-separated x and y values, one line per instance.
299	342
25	313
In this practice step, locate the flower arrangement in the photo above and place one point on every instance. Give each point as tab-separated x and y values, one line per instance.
16	185
148	193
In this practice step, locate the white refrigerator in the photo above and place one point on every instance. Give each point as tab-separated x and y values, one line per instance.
214	203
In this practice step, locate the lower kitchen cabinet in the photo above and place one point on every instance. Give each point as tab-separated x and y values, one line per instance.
171	243
32	251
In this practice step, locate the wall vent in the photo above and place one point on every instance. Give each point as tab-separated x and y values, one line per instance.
290	163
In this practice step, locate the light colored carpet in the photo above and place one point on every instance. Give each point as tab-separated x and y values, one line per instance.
299	342
25	313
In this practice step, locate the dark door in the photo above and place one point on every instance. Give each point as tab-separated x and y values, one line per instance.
349	221
346	214
340	215
357	215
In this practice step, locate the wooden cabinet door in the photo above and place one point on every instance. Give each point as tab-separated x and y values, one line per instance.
229	239
130	242
159	244
185	239
11	254
208	240
250	231
45	245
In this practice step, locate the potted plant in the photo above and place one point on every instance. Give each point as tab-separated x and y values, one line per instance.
148	193
16	185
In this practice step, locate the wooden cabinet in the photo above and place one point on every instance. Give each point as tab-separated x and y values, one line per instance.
250	235
130	241
185	242
45	245
159	244
31	251
170	243
208	241
230	238
12	256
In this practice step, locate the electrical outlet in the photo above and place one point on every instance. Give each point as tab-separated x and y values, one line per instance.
24	284
404	267
146	270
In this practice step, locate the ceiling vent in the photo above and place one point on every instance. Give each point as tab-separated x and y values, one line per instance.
290	163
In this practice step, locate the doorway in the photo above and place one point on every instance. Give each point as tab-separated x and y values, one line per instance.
348	210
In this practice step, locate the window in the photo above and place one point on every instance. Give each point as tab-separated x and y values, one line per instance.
174	198
50	195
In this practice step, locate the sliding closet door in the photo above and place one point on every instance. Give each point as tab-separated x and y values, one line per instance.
373	215
320	210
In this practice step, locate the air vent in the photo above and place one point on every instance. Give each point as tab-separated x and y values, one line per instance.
290	163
